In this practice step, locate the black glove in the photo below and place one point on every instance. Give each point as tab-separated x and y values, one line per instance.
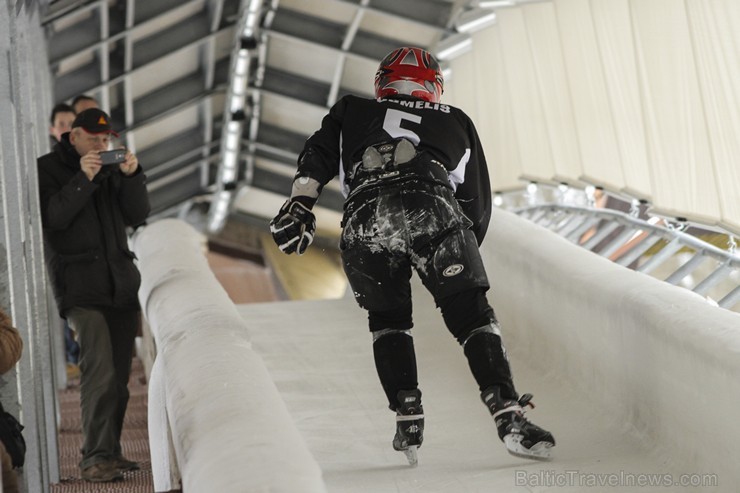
293	227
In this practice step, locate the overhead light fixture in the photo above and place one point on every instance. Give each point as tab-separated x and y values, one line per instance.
494	4
234	116
219	210
453	46
474	20
230	161
241	64
232	141
236	104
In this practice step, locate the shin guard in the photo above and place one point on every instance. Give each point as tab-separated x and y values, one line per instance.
487	359
395	361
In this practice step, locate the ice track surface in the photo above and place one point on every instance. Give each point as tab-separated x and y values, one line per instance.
320	356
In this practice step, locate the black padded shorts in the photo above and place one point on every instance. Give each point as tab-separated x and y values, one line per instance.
416	224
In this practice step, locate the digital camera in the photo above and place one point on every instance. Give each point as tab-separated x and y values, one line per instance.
115	156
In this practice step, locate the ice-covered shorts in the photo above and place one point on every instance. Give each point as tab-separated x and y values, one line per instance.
390	229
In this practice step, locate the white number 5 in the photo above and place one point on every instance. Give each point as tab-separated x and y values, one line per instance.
392	125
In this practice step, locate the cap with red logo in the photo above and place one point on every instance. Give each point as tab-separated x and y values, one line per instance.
94	121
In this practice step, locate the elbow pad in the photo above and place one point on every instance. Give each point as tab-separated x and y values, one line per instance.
306	190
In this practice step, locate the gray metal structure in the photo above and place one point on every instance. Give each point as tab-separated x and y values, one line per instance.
29	391
631	241
181	79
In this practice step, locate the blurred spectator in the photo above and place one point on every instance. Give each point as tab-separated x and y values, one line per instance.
61	120
11	347
62	117
84	102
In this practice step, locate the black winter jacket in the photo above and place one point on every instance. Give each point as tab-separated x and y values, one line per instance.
84	225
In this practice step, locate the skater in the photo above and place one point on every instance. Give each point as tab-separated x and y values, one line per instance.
417	196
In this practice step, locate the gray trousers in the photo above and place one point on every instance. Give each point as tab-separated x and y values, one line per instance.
106	339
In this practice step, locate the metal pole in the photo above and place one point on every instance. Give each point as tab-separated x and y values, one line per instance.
22	137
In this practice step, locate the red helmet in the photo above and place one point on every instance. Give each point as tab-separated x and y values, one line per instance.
410	71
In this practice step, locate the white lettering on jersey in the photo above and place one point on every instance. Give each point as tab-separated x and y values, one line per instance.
418	104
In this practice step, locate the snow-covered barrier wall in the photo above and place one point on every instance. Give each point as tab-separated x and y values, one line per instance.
662	360
216	420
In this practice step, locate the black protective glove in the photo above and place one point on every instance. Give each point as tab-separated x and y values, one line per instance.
293	228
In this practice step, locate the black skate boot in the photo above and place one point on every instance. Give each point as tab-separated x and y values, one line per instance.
521	437
409	424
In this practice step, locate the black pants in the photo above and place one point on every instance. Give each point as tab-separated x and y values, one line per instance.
106	340
388	231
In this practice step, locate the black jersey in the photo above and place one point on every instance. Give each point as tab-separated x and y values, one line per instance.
440	133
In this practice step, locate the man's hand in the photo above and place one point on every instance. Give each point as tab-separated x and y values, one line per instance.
129	166
90	164
293	228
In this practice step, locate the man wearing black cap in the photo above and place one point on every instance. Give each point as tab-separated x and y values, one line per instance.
85	209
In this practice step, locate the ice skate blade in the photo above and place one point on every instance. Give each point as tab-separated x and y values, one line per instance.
411	456
539	451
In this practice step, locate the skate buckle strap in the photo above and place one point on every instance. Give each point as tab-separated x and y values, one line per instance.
517	406
526	400
512	407
408	417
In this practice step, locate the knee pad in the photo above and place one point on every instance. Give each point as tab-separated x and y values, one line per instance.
378	334
491	328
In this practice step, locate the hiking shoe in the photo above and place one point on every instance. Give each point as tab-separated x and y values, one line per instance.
102	472
123	464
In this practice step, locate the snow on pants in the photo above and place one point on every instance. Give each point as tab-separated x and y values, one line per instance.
388	230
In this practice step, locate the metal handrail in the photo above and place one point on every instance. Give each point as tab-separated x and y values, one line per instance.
560	218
